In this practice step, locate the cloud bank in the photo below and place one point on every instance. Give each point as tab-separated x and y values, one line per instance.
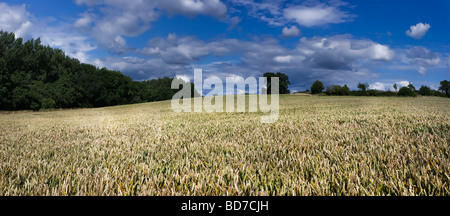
307	13
120	19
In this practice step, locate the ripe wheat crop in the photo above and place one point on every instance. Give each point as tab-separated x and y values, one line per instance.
319	146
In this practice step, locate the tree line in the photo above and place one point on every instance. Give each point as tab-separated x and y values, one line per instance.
363	90
34	77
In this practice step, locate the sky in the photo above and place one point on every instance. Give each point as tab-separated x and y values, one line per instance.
381	42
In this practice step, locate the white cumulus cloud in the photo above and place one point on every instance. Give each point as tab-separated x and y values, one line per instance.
378	86
293	31
382	52
384	86
418	31
283	59
316	15
402	84
191	8
15	19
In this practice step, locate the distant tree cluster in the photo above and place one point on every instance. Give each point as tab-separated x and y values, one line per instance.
425	91
338	90
33	76
409	90
363	90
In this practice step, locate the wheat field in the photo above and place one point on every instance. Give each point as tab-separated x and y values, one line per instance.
328	146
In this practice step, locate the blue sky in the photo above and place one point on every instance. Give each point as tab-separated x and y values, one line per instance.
340	42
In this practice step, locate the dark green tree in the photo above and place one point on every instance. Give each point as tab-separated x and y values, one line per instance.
338	90
411	87
363	86
445	87
5	85
425	91
407	92
317	87
283	82
33	76
346	90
